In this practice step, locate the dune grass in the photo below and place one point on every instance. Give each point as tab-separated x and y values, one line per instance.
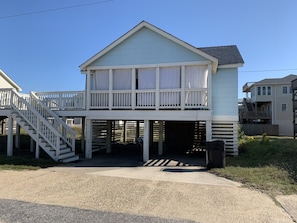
265	163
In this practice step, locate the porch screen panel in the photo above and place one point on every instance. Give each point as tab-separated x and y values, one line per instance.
146	81
122	86
99	85
170	79
101	80
196	85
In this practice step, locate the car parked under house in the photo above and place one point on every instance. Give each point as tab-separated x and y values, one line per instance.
167	92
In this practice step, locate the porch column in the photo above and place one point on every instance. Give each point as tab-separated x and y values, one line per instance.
108	137
157	104
10	137
124	134
63	129
37	152
208	131
183	92
110	89
133	96
208	137
209	87
83	127
17	136
31	144
160	143
151	133
137	130
88	151
146	140
88	92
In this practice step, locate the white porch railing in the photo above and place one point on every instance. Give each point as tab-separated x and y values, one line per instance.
5	98
194	98
63	100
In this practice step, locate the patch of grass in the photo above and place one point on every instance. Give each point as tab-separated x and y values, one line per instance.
22	159
267	164
24	163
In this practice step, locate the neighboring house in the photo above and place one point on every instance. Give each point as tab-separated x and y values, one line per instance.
173	95
5	83
268	106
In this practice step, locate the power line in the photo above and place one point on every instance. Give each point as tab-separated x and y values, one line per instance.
245	71
55	9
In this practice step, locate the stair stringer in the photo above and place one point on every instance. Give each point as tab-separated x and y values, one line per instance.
45	135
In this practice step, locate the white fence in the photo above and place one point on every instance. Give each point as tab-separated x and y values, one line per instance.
63	100
127	99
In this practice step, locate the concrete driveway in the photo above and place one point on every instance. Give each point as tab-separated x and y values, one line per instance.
167	193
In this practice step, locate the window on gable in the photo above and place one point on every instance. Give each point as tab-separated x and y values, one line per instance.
284	107
263	90
259	90
268	90
285	90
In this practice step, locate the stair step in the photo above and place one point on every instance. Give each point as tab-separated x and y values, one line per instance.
66	155
65	150
70	159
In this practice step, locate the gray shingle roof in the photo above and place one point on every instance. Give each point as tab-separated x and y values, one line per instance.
283	80
225	54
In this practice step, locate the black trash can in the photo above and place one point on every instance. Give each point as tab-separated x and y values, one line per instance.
216	154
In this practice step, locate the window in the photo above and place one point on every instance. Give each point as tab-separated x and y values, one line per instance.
263	90
285	90
268	90
291	90
259	90
284	107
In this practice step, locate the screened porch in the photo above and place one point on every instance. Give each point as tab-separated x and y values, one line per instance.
175	87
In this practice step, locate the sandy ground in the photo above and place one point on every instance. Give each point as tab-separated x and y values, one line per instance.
106	191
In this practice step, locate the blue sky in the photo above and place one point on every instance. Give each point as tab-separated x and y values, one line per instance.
41	50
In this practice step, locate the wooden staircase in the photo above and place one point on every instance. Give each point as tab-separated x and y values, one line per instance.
49	132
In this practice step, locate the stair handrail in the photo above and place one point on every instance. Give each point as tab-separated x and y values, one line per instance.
67	133
37	122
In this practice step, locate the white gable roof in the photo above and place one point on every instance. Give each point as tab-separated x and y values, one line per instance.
83	67
8	82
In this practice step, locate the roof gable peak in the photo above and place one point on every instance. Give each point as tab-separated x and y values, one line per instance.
153	28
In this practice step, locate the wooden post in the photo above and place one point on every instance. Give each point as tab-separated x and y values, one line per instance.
183	87
108	136
110	88
125	132
10	137
133	96
31	145
160	143
208	130
17	136
146	140
157	103
137	130
209	87
151	133
63	129
88	152
37	141
88	91
83	126
208	136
